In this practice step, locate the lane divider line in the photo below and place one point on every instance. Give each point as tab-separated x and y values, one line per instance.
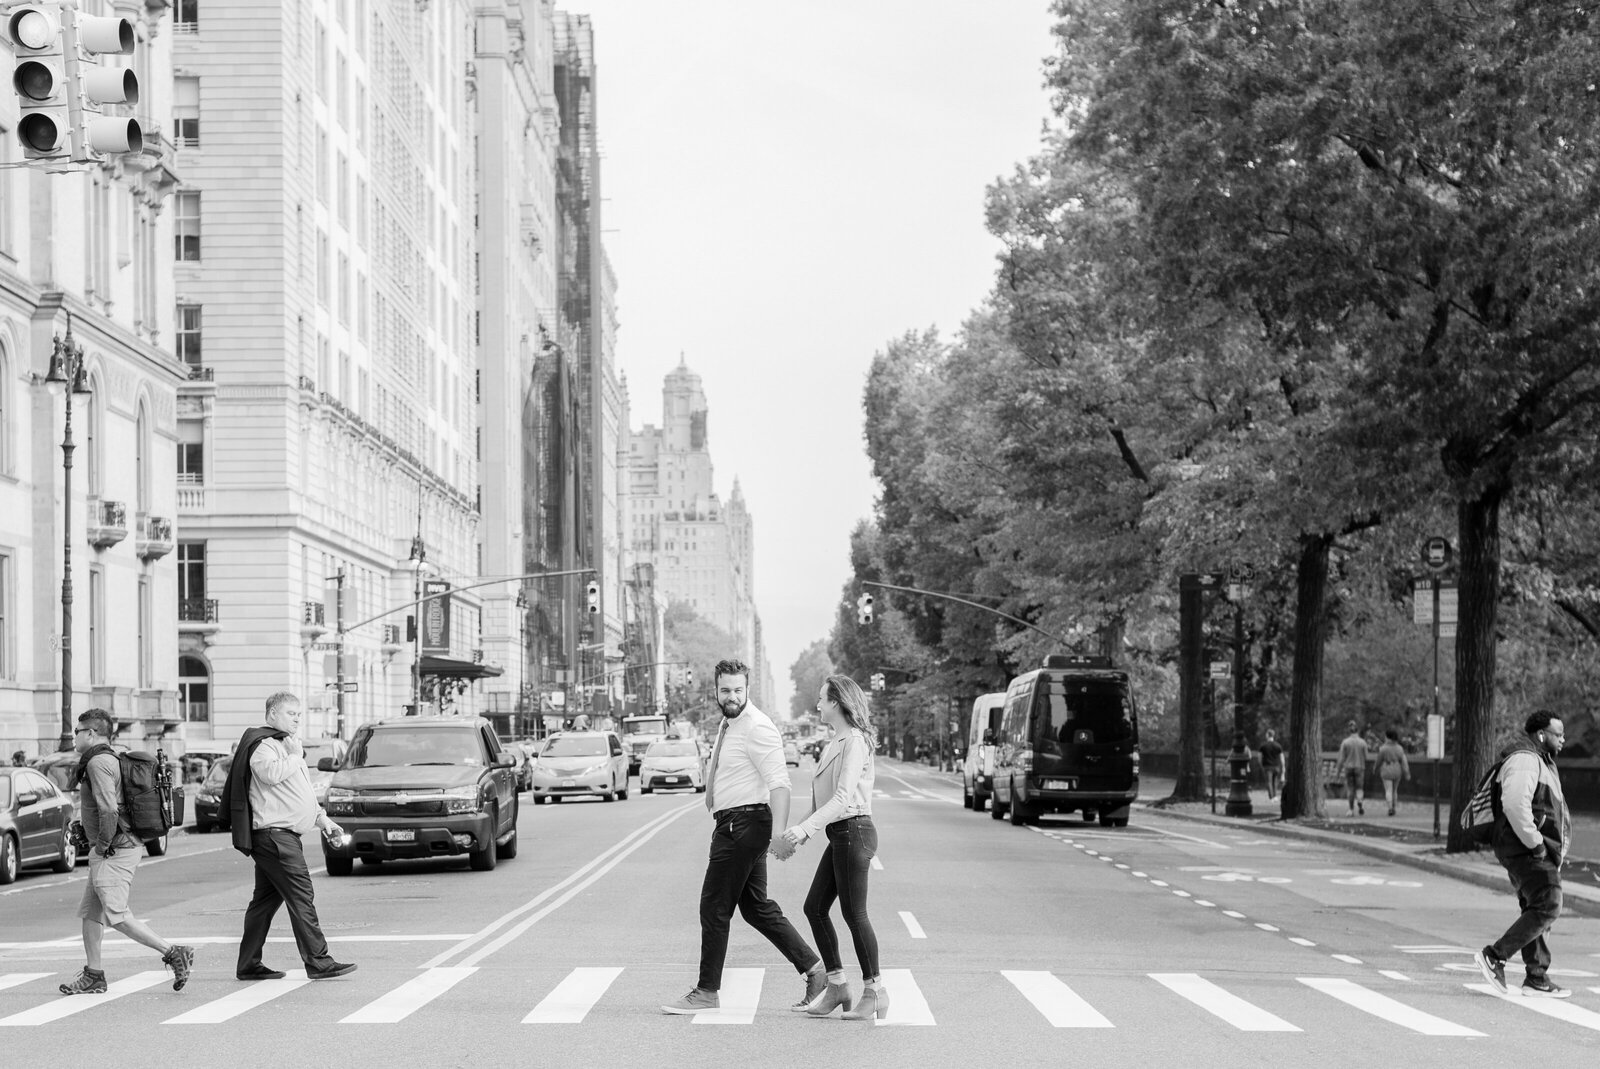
912	926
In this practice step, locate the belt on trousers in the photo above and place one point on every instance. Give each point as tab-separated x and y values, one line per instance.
719	814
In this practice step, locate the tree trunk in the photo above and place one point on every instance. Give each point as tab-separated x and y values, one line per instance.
1478	529
1191	785
1302	774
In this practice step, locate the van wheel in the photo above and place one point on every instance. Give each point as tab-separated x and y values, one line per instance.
483	860
978	800
1088	816
1021	813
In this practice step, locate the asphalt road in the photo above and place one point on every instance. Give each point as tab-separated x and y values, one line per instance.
1164	943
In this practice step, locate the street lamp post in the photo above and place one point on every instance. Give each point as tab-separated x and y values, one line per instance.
69	375
419	557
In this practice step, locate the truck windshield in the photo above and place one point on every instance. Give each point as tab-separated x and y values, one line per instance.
403	746
1069	712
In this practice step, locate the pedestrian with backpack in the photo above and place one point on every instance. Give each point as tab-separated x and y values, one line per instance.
113	858
1530	834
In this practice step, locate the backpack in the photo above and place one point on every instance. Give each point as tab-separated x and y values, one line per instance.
146	794
1483	808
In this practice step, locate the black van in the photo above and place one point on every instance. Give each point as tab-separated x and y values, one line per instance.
1069	742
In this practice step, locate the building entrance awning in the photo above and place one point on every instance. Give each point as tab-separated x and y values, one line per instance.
454	668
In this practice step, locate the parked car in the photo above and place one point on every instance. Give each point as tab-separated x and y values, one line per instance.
423	786
581	762
34	817
977	769
791	753
60	767
673	763
208	799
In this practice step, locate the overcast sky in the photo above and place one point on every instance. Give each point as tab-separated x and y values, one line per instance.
788	187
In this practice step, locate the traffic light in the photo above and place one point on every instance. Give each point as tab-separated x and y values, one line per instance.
96	133
594	596
877	681
864	609
688	677
40	79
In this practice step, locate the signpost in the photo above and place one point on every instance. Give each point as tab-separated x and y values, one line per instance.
1434	602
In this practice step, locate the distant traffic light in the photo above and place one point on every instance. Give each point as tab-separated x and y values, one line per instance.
877	681
864	609
40	79
688	677
594	596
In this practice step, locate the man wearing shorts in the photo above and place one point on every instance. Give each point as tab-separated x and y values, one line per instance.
113	858
1353	763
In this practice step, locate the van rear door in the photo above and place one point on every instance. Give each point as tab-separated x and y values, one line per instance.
1085	731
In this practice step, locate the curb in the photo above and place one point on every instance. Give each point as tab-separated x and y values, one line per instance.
1575	899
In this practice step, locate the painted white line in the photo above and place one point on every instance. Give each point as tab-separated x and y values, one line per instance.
912	926
877	864
1300	941
232	1005
907	1006
573	997
739	997
1121	866
1203	902
1563	1011
1266	927
1394	975
1092	853
1369	1001
1245	1016
1181	894
144	863
1347	959
1235	914
1191	838
1061	1006
1158	883
233	940
1141	875
66	1006
409	997
16	979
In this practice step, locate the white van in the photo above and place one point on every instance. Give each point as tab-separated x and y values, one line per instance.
977	771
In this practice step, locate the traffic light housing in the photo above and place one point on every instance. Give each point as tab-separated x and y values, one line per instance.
688	677
594	596
97	86
864	609
61	89
40	80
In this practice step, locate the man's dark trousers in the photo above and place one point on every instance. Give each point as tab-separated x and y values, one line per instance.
737	876
281	879
1538	884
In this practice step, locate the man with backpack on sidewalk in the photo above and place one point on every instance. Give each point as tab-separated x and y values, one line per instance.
1531	830
113	857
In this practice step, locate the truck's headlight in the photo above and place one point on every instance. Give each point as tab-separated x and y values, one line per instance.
461	799
340	800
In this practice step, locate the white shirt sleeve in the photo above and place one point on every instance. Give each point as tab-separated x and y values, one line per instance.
765	747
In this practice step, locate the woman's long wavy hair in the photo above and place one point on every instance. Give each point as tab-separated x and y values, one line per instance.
853	703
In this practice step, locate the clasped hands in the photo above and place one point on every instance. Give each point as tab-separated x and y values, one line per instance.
783	846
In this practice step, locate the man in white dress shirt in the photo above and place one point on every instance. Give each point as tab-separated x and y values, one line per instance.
747	792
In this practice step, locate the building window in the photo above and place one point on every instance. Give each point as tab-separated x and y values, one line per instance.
361	212
321	59
322	268
186	225
145	624
341	91
186	112
92	436
97	625
8	156
5	412
188	334
191	463
187	17
141	460
7	667
361	306
341	192
322	165
194	690
344	289
191	570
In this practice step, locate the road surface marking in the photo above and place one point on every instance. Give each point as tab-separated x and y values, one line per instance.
1266	927
1368	1001
739	997
1347	959
1394	975
912	926
1181	894
876	863
1123	867
232	1005
907	1006
1564	1011
1243	1015
573	997
1192	838
1300	941
15	979
67	1006
409	997
1433	948
1061	1006
1203	902
1139	874
1091	853
1158	883
1235	914
233	940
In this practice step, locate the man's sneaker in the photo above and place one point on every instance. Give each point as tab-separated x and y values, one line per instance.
333	969
1493	967
89	982
1361	809
180	960
696	1001
816	984
1541	987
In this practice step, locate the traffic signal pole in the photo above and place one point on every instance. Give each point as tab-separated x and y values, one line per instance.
973	604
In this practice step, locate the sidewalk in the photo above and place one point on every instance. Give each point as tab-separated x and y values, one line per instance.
1406	838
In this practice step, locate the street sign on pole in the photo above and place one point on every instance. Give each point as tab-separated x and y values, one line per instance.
1219	670
1436	552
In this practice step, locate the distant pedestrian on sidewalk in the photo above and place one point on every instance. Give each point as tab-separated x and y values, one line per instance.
841	806
113	859
270	802
1531	834
1392	766
747	792
1353	763
1272	763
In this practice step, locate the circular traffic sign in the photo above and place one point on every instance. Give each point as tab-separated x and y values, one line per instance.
1436	552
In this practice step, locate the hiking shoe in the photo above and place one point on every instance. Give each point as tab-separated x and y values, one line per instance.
696	1001
1493	968
180	960
816	984
89	982
1541	987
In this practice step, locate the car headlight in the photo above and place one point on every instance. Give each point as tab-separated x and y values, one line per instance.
208	797
461	799
340	800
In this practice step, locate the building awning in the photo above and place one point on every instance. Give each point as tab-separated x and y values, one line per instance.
454	668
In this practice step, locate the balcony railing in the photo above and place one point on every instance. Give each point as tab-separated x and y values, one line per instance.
191	498
201	373
108	523
154	538
197	611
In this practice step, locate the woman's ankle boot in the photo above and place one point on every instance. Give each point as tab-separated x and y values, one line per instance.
834	995
874	1002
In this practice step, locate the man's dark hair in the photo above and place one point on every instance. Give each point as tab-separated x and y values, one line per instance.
100	720
1392	735
1538	720
731	667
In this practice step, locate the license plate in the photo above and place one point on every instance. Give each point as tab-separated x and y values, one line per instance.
569	783
407	836
672	779
1060	784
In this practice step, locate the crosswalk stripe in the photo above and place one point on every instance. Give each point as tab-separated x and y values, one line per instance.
233	1004
1061	1006
739	997
1353	994
573	997
912	926
67	1005
16	979
410	996
877	864
907	1006
1562	1011
1243	1015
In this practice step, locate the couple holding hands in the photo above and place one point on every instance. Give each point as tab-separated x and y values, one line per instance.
748	794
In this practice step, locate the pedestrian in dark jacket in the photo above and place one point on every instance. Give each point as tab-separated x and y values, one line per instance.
1531	832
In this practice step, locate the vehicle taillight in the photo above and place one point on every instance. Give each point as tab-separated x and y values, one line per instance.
1024	761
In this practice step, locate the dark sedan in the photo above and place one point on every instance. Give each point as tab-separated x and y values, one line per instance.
34	817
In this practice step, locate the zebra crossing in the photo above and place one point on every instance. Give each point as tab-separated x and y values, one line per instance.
590	993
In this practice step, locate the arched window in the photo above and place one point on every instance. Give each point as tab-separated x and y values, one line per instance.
194	690
93	437
141	459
